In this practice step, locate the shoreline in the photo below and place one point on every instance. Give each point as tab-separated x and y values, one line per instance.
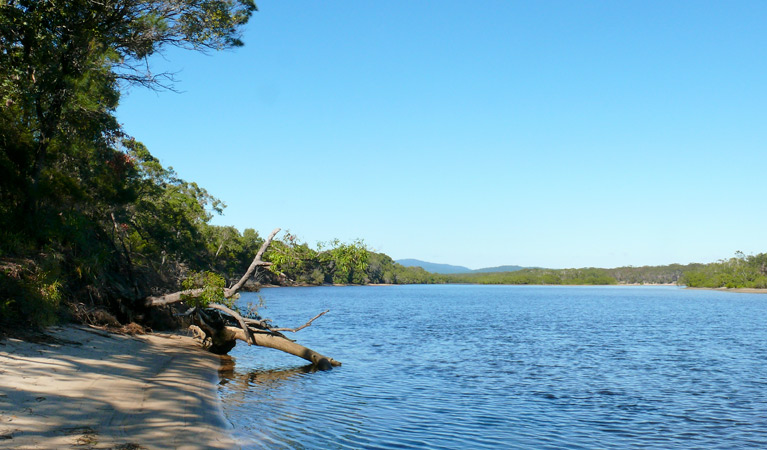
79	387
270	286
722	289
732	290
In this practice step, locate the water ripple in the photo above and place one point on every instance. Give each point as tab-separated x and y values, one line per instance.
488	367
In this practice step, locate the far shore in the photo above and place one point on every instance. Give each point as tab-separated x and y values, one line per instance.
723	289
733	290
78	387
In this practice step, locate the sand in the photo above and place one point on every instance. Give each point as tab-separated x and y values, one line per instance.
83	388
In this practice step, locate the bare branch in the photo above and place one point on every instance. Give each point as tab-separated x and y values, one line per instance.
257	323
176	297
293	330
256	262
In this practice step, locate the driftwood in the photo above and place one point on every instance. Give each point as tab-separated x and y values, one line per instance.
215	326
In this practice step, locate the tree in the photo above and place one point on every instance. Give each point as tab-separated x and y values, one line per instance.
346	263
60	66
70	178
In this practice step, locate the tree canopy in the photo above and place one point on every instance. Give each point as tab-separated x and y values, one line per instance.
84	208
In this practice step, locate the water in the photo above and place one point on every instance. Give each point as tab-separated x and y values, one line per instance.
487	367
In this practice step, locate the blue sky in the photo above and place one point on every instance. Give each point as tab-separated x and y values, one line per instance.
540	133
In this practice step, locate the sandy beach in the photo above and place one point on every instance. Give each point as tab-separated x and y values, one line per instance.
82	388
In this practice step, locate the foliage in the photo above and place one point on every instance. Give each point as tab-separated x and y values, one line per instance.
86	209
212	289
168	218
383	270
740	271
28	293
669	274
345	263
333	262
294	260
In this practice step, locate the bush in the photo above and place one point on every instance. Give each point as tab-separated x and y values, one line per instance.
212	286
28	295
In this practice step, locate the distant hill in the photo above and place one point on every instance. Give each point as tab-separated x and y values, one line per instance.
433	267
447	268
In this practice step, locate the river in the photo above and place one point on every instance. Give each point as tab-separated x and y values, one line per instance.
491	367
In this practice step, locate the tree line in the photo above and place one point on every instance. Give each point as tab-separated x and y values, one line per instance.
669	274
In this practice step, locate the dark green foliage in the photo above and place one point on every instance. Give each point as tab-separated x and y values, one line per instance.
212	285
29	293
86	213
741	271
168	220
231	252
384	270
336	262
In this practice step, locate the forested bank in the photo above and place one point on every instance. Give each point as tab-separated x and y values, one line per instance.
669	274
740	271
87	214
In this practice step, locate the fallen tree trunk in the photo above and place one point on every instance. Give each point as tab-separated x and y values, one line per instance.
218	334
267	339
219	338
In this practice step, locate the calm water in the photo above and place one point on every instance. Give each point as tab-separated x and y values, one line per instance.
480	367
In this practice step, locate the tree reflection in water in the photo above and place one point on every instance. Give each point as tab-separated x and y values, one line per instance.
241	381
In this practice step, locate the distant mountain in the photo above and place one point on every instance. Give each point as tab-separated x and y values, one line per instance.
433	267
447	268
500	269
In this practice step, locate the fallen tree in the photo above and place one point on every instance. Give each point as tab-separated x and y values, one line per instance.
219	327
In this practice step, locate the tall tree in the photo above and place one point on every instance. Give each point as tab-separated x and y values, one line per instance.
60	65
68	173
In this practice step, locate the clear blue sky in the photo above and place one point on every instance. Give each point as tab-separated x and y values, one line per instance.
539	133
